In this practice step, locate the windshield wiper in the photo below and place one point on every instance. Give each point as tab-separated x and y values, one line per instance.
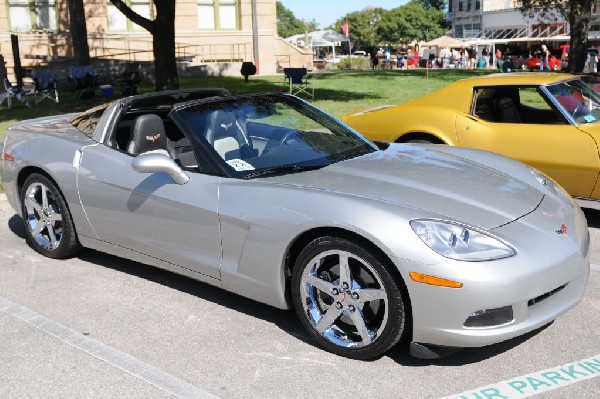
349	154
283	170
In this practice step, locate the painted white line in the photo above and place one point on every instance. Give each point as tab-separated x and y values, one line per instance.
3	197
108	354
536	383
595	267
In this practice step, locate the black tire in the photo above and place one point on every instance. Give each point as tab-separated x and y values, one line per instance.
368	315
48	222
420	141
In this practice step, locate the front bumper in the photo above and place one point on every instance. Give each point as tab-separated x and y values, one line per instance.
546	278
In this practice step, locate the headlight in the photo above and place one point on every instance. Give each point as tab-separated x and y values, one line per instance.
460	242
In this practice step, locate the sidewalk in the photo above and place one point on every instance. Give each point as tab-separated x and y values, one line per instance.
2	197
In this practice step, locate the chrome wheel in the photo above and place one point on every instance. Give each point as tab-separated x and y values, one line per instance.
344	299
347	298
44	218
47	219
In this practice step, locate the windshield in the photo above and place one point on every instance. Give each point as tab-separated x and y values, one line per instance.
261	135
577	99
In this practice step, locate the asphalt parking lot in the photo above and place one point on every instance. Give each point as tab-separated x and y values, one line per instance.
98	326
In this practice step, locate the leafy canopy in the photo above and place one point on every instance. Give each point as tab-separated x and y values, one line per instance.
288	25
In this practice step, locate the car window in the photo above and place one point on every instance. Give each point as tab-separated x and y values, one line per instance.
255	135
86	122
514	104
531	97
577	99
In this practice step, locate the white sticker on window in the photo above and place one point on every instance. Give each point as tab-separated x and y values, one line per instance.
240	165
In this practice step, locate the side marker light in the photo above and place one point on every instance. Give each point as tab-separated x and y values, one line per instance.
432	280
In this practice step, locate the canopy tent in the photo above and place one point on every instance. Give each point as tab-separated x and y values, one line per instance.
445	41
320	38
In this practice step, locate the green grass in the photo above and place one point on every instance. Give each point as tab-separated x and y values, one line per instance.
337	92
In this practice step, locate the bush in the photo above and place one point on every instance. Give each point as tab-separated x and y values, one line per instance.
354	63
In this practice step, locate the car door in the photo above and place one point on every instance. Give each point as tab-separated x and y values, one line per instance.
149	213
538	136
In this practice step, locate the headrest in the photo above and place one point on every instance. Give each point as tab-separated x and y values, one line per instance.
224	124
148	135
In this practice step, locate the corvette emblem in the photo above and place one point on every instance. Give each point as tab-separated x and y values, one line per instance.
153	138
563	230
226	126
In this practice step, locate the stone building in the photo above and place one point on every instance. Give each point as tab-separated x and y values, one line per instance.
213	37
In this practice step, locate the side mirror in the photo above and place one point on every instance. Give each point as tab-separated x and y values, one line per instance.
154	163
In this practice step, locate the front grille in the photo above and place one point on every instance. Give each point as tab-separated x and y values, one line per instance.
547	295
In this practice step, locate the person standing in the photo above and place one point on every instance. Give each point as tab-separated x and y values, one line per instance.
472	57
485	55
499	60
545	55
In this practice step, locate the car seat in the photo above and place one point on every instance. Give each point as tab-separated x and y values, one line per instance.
148	136
505	109
226	134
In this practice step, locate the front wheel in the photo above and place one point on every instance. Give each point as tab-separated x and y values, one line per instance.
347	299
47	218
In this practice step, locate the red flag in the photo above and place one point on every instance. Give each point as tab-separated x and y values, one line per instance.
345	28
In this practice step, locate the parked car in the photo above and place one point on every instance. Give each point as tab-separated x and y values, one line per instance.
269	197
412	60
533	63
513	62
359	54
549	121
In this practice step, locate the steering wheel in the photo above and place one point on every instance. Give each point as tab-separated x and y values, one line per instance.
578	110
289	137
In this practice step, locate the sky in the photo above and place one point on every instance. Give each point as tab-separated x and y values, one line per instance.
326	12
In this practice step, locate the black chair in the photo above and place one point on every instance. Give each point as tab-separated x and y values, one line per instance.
130	79
83	81
46	85
297	81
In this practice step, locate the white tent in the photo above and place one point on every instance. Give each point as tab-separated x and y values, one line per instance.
320	38
444	41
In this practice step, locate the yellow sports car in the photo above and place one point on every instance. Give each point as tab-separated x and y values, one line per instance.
550	121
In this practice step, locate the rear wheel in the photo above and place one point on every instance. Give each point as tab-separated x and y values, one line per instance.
47	218
347	299
420	141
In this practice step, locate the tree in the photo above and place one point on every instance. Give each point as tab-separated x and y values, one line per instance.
288	25
439	5
411	22
162	29
363	26
78	28
577	12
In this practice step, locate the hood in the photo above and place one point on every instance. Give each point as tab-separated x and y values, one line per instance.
429	180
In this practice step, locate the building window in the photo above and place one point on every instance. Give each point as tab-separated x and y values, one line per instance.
28	15
218	14
460	5
468	5
117	21
458	31
477	4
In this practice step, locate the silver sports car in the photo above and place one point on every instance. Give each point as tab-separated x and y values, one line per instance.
269	197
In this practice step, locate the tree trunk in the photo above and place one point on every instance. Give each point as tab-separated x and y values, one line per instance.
580	13
163	39
81	49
